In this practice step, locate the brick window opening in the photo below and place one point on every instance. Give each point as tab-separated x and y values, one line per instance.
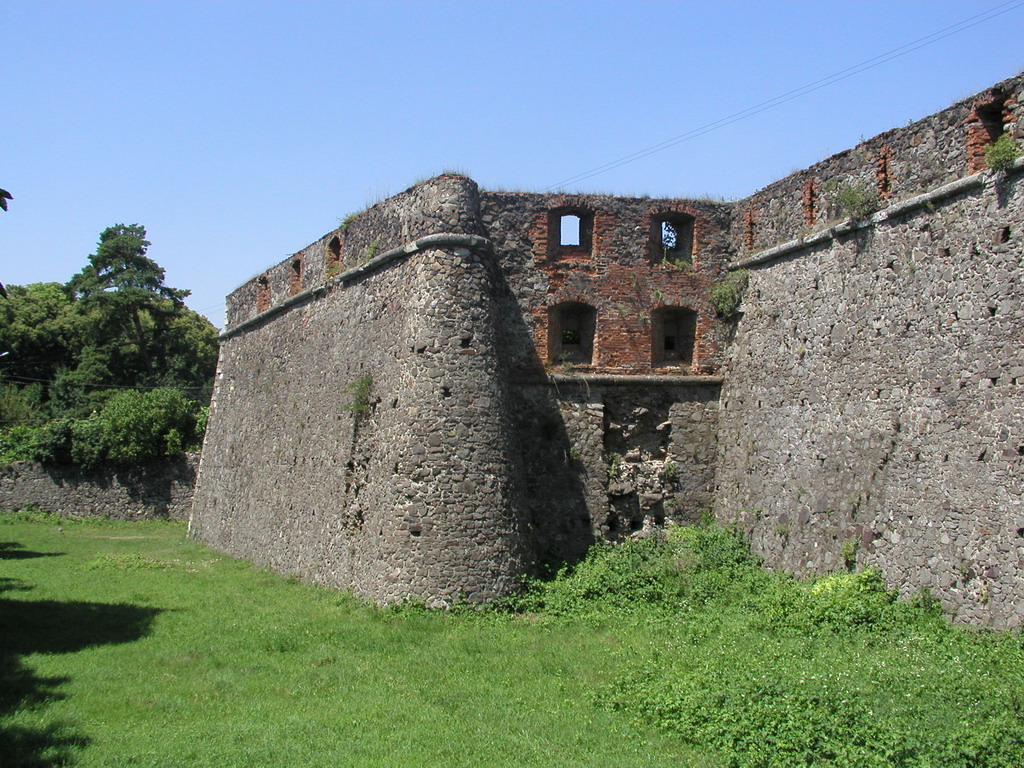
262	294
571	334
295	278
991	117
673	332
672	238
333	258
570	231
985	125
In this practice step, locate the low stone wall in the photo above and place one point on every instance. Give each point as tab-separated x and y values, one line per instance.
160	490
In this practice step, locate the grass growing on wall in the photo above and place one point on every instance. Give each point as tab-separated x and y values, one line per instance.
124	644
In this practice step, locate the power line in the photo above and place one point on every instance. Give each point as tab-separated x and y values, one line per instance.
843	74
102	386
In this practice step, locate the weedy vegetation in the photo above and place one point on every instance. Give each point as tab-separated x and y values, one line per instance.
126	644
727	293
1002	153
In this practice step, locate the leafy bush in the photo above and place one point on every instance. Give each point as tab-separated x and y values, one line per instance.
690	566
727	293
135	427
1002	153
19	442
856	201
53	443
130	428
766	670
359	391
20	404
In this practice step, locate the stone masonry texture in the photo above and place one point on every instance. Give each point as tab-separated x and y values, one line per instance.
162	489
458	387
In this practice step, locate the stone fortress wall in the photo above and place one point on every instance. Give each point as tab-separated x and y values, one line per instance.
874	400
459	386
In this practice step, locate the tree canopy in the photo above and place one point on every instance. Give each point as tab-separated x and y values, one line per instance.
114	327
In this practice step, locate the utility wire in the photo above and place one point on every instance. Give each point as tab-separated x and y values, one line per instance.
102	386
843	74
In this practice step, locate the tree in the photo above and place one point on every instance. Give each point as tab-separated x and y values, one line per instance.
121	284
115	327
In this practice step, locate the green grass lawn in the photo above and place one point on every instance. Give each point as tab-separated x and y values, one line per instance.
125	644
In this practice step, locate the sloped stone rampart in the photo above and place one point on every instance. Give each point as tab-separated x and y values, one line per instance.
874	404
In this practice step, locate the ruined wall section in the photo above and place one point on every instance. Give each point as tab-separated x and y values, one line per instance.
621	272
605	460
873	410
892	166
359	438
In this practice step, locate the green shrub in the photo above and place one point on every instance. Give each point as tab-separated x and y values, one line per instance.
691	566
1002	153
727	293
856	201
777	673
53	442
359	392
20	403
611	578
135	427
19	442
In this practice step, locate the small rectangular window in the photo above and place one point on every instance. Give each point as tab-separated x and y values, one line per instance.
671	238
295	283
569	230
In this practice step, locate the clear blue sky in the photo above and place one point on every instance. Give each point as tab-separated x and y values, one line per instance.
238	132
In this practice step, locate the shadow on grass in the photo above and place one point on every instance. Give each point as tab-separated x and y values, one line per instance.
51	626
12	550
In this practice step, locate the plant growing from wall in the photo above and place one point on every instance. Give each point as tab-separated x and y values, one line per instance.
848	550
614	461
727	293
359	391
856	201
677	264
1002	153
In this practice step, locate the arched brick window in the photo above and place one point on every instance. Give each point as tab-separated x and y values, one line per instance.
262	294
332	259
671	237
571	327
570	232
295	278
985	124
673	332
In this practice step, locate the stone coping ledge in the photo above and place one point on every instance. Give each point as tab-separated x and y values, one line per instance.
626	378
428	242
976	180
